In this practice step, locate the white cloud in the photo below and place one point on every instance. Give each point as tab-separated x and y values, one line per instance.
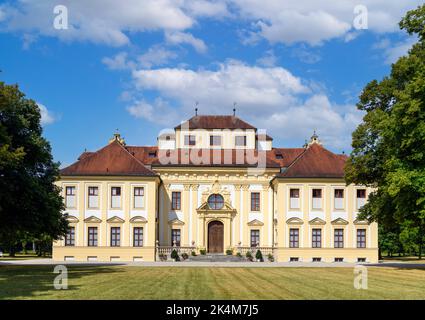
156	56
269	97
393	51
46	116
178	37
119	62
268	60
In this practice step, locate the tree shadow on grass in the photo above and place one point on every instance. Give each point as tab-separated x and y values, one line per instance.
26	282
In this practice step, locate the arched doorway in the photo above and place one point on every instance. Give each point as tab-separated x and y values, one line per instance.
215	237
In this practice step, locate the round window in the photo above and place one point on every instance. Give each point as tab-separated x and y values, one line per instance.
215	202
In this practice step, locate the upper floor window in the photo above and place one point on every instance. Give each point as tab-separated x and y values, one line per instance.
316	237
70	197
255	238
152	154
317	198
339	198
215	140
70	237
93	197
240	141
176	200
361	238
294	195
92	238
339	238
294	241
189	140
139	194
115	236
175	237
361	198
116	197
137	237
255	201
215	201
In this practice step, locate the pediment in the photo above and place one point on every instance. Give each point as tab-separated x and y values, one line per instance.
226	208
115	219
361	222
339	221
294	221
138	219
255	223
72	219
317	221
93	219
176	222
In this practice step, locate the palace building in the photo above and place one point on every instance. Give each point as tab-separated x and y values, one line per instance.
214	183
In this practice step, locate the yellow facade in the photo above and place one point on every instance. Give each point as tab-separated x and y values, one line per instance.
276	216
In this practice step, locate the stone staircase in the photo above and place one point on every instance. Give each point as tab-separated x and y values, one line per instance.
215	258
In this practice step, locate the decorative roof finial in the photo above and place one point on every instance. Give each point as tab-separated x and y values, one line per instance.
196	108
234	108
314	139
117	137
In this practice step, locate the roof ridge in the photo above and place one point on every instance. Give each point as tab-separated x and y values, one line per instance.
133	157
295	160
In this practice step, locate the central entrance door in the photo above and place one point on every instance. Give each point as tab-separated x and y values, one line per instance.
215	237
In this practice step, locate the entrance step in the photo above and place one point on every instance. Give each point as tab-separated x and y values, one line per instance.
216	258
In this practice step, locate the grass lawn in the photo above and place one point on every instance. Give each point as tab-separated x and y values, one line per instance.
125	282
21	256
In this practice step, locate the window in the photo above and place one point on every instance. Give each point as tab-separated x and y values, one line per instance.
175	237
176	200
139	193
215	202
294	195
137	237
316	238
70	197
317	259
215	140
189	140
92	239
152	154
115	236
255	238
70	237
339	260
293	238
361	259
255	201
115	197
317	198
279	156
339	199
361	198
294	259
339	238
93	197
240	141
361	238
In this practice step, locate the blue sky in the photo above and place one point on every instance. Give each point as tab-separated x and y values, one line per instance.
140	65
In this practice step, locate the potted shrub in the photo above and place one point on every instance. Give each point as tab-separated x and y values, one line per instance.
249	255
203	252
229	252
193	254
175	255
239	255
270	257
259	256
185	256
162	257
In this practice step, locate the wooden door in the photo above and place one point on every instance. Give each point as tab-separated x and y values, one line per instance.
215	237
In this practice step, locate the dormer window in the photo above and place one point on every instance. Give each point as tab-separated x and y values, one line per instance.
152	154
279	156
189	140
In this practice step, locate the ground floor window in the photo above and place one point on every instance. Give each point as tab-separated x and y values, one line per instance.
70	237
361	238
137	237
316	238
175	237
92	238
339	238
293	238
255	238
115	236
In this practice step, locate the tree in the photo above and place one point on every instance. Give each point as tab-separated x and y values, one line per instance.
389	145
30	202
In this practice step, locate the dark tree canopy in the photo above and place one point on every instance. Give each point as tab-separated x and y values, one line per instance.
30	202
389	145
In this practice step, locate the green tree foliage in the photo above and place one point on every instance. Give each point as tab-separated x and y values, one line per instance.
389	145
30	203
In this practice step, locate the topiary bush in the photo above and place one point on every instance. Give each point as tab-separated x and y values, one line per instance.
229	252
175	255
259	256
193	254
270	257
249	255
203	252
185	256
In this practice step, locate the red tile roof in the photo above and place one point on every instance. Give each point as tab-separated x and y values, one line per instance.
215	122
113	159
316	162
